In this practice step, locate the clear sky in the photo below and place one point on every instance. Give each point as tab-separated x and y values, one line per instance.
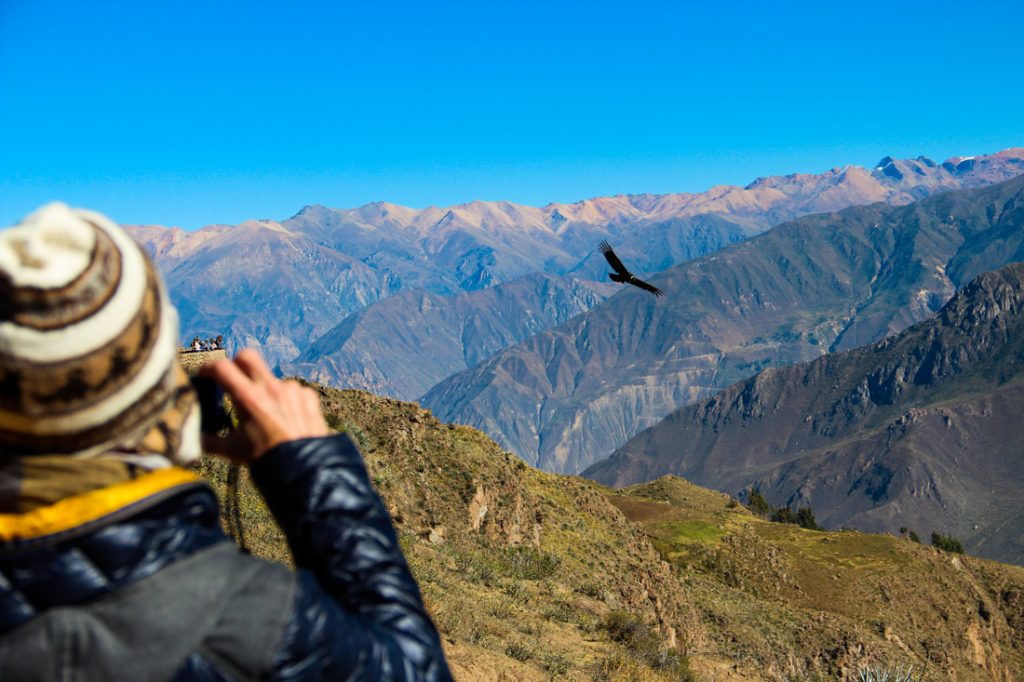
195	112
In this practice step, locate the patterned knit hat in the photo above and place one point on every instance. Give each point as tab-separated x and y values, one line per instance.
88	344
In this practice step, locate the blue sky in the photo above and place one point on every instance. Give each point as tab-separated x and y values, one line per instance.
189	113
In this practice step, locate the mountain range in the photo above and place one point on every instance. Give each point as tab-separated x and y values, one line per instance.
568	397
282	285
405	344
920	431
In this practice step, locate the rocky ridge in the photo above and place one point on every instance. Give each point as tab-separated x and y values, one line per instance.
568	397
403	345
920	430
281	285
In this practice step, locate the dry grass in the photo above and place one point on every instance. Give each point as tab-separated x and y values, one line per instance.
559	578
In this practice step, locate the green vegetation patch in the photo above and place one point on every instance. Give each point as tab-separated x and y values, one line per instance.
686	532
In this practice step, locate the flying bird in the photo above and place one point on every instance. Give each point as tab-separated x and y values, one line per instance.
623	275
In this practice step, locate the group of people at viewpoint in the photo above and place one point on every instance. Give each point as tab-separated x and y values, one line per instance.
113	562
198	344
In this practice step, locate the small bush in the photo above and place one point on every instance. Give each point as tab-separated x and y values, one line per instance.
587	623
560	611
592	590
645	645
614	668
556	665
519	651
947	543
914	537
678	666
805	519
757	503
516	590
334	421
527	563
502	609
783	515
623	626
477	568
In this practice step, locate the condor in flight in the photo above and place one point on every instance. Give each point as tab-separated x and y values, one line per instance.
623	275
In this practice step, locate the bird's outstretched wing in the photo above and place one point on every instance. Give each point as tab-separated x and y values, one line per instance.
613	260
649	287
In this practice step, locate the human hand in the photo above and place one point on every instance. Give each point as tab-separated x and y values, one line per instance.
270	411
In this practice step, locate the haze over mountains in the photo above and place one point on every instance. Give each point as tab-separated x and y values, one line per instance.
922	430
281	286
569	396
405	344
500	316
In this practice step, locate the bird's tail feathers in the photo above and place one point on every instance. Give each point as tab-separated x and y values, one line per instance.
616	277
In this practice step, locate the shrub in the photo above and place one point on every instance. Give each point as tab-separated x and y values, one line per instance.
516	590
947	543
645	644
623	626
527	563
560	611
519	651
679	667
334	421
477	567
556	665
502	609
914	537
757	503
592	590
783	515
805	519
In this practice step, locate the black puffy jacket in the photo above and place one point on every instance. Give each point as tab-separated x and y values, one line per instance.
153	590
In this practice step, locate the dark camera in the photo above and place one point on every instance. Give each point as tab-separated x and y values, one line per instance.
213	416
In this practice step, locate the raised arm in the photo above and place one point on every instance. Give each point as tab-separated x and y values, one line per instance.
361	615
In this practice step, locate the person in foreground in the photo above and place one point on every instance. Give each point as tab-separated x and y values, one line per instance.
113	565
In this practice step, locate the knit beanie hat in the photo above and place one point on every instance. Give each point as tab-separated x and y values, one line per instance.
88	344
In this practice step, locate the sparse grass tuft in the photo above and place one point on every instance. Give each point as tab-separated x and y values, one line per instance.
527	563
556	665
519	650
884	674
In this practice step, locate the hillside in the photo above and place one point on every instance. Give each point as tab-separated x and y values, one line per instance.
535	576
403	345
920	430
260	285
281	285
570	396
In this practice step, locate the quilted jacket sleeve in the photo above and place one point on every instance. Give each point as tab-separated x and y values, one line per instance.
358	611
